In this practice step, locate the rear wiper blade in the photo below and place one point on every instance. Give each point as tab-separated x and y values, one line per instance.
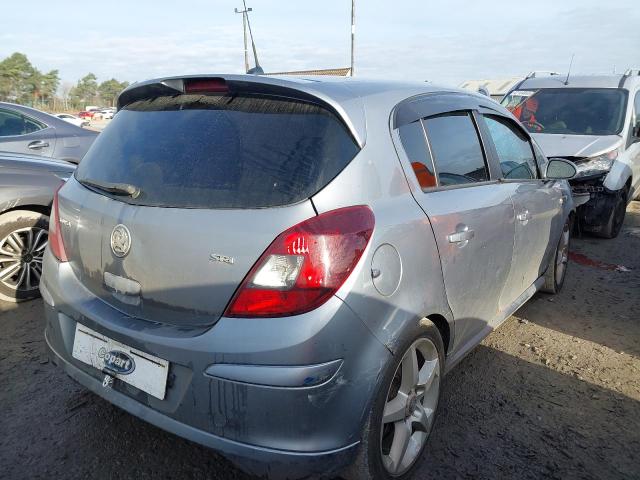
115	188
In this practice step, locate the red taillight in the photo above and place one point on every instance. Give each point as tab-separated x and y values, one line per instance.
206	85
305	265
55	235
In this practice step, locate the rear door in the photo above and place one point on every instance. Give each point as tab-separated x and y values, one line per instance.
470	212
537	202
22	134
217	177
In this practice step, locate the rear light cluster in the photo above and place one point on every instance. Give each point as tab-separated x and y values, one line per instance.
305	265
56	245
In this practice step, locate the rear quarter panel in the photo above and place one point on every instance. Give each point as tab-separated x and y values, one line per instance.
375	178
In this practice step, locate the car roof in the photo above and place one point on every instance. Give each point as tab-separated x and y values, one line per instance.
352	98
580	81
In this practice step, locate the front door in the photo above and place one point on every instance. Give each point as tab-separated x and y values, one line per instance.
537	205
471	215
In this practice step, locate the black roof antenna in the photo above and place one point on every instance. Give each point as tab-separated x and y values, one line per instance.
566	82
257	70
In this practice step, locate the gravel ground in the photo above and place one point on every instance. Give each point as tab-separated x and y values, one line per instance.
553	393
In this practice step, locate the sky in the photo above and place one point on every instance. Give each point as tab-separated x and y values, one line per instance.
445	42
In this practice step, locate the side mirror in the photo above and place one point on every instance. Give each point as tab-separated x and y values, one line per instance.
560	169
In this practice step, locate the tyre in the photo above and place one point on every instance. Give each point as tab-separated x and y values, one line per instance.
403	411
611	228
557	269
23	238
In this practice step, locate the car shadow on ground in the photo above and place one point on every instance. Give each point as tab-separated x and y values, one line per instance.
501	417
599	301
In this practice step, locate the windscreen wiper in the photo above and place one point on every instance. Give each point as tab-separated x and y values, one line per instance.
125	189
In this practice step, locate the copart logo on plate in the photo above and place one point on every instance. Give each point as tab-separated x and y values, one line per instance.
117	360
120	240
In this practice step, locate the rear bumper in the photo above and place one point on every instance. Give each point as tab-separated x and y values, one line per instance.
259	461
279	431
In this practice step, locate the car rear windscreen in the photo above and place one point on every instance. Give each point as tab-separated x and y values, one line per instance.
230	151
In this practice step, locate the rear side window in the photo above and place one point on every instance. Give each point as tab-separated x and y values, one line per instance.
456	149
514	150
12	123
415	146
198	151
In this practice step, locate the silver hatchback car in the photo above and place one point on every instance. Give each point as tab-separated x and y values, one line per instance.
284	269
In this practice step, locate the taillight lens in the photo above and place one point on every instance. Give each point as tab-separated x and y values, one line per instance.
305	265
55	235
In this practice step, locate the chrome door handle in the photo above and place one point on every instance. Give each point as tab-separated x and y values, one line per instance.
37	145
524	216
461	237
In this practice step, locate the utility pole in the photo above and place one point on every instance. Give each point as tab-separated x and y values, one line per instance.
353	30
244	30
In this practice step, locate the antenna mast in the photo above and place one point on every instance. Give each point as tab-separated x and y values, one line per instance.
566	82
257	69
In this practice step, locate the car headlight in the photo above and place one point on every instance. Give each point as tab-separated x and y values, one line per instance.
600	164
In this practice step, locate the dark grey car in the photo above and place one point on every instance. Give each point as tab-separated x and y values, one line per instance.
27	185
27	130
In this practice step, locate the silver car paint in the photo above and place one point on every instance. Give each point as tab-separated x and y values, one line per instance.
407	273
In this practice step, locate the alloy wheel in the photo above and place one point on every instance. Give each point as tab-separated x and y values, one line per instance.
562	254
410	407
21	258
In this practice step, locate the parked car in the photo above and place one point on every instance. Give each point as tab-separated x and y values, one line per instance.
595	122
294	300
27	185
85	114
72	119
27	130
108	113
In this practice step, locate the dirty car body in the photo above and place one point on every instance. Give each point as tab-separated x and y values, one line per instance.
593	121
194	270
31	131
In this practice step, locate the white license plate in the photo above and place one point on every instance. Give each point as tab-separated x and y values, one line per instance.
137	368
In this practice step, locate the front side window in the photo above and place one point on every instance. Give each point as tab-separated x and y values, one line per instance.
456	149
569	111
415	146
514	150
12	123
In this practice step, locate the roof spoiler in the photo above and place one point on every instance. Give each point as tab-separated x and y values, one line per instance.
350	113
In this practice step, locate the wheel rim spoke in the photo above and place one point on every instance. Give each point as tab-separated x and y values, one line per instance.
422	417
409	370
15	242
394	410
40	242
401	436
10	270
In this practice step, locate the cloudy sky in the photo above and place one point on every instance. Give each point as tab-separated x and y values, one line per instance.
442	41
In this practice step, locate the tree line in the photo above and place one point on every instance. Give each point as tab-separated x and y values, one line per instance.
21	82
